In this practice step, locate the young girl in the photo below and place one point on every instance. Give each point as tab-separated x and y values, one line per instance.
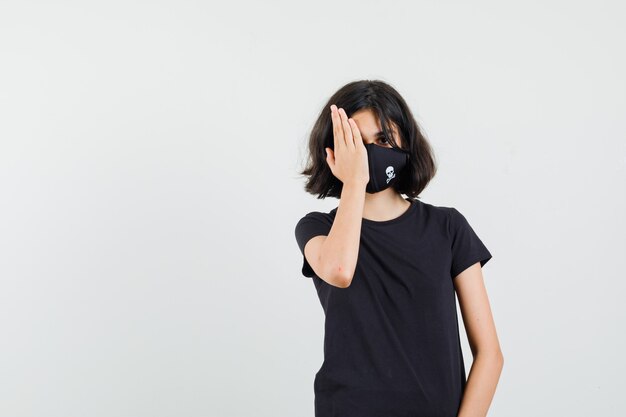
387	270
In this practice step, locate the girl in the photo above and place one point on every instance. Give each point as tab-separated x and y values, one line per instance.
387	270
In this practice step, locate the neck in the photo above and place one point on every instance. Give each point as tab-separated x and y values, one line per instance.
385	205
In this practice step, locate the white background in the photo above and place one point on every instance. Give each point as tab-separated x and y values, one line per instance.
149	158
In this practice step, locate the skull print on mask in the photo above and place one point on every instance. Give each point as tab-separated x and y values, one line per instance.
385	164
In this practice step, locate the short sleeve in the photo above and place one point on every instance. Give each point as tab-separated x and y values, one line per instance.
467	248
311	225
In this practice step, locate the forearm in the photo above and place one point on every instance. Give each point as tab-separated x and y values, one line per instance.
481	384
341	247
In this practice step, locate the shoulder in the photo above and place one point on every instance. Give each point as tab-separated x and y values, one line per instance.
318	216
438	211
312	224
315	222
449	217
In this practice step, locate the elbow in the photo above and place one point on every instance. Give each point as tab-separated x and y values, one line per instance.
336	272
342	281
499	355
343	275
498	358
339	277
500	362
493	354
337	266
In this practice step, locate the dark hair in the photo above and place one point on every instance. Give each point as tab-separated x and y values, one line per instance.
390	108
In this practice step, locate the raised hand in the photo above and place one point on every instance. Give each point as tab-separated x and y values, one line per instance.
348	161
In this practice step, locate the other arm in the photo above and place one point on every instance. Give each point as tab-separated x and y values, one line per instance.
483	340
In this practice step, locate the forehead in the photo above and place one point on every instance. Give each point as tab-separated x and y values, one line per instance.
368	123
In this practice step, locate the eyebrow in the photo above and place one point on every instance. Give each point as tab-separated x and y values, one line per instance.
381	134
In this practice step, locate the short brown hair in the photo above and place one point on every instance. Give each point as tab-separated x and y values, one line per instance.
390	108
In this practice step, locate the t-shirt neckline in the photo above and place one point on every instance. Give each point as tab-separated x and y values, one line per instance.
406	213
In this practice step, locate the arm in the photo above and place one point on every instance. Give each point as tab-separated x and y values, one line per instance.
334	257
481	332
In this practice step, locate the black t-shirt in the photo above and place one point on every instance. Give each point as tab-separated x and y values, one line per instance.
391	342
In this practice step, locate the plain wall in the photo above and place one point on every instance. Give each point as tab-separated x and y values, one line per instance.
149	158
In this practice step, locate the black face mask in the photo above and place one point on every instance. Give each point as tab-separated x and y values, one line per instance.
385	164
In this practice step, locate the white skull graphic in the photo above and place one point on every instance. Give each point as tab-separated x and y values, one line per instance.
390	173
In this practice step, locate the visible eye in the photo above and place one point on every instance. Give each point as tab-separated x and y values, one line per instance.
384	140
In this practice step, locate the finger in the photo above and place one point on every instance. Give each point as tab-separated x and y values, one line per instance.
356	133
347	130
337	130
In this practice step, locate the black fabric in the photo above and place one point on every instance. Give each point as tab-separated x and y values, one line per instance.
391	339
